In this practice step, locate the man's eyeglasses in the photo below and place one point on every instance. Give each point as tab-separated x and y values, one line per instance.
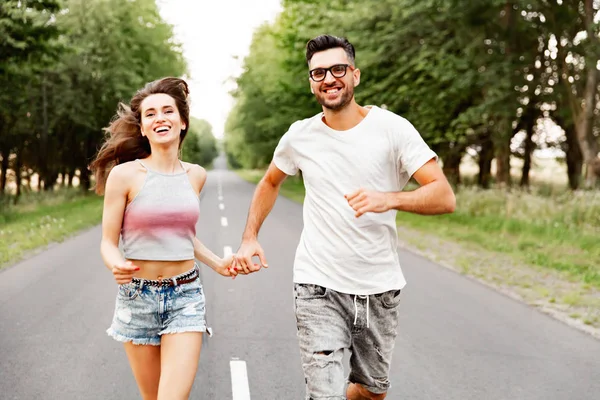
338	71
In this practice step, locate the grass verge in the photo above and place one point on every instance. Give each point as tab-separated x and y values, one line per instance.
40	220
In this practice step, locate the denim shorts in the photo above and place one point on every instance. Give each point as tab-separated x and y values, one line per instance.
144	312
330	322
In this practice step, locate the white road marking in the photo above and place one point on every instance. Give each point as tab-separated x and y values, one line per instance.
223	221
227	251
221	206
220	198
239	380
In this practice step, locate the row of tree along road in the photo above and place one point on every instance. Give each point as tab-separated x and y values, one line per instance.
64	66
481	77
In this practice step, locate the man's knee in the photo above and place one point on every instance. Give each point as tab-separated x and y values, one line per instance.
324	374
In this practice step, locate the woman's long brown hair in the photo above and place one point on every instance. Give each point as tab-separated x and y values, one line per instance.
124	140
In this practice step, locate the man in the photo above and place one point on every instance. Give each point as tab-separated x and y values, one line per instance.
355	161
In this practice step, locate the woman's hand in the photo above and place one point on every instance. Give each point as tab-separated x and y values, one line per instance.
123	273
228	266
225	267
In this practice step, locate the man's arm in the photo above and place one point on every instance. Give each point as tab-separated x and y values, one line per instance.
262	203
434	196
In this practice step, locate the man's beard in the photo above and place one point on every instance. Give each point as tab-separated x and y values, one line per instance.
338	104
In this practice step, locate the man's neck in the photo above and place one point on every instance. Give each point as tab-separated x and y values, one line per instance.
346	118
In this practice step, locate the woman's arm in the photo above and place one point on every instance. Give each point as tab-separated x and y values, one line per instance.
197	176
115	199
204	255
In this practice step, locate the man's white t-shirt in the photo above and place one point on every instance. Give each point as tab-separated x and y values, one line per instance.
337	250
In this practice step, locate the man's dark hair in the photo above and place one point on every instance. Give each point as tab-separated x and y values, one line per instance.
326	42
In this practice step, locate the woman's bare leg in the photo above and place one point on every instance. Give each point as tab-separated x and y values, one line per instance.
180	353
145	364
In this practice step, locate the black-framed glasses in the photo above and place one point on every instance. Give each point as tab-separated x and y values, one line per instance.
337	71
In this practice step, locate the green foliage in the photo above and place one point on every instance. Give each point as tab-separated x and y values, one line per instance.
273	91
467	74
26	29
200	145
91	55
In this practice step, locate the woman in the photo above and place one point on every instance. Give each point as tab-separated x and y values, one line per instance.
151	202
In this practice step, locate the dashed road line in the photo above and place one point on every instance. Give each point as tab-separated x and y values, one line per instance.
239	380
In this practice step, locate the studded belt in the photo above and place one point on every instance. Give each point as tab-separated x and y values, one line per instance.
187	277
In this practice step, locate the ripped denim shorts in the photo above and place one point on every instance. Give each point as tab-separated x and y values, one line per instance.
147	309
331	322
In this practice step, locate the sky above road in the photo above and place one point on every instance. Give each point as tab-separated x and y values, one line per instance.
216	36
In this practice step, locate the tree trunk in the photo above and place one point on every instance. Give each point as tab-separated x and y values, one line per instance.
503	178
530	119
49	181
452	166
84	173
85	179
574	157
3	170
529	147
585	122
18	167
585	137
486	155
503	164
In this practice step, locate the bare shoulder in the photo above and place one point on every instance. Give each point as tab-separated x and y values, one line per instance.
126	170
196	174
123	175
194	170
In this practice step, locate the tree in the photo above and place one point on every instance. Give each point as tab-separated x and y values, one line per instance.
28	30
475	75
54	108
200	145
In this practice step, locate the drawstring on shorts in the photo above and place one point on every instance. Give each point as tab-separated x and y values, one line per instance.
356	308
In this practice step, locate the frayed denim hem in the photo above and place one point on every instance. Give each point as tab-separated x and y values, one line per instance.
139	341
183	329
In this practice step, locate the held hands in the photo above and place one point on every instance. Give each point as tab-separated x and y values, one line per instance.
243	263
123	273
225	267
363	201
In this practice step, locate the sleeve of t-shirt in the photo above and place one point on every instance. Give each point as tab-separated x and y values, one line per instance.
283	156
413	152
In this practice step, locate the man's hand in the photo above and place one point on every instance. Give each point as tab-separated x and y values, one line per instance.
363	201
243	257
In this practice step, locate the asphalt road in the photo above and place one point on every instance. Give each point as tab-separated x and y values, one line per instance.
458	340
